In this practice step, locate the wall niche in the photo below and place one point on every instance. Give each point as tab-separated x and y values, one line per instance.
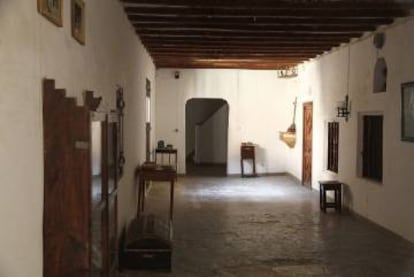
380	76
380	71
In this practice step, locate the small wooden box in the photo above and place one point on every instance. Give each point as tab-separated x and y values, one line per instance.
147	245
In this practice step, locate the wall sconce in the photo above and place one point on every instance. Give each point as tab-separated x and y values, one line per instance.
343	108
177	74
287	72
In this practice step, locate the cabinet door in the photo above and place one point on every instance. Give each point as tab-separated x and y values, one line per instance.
111	190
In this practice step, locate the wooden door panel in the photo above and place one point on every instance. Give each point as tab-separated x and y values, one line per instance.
307	144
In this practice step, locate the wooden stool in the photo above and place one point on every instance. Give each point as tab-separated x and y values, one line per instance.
247	153
335	186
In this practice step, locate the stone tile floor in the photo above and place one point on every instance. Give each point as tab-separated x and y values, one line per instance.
271	226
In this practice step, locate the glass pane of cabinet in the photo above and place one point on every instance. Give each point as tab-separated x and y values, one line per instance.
97	216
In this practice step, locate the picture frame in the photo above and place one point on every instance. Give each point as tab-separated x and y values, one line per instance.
78	20
407	112
51	10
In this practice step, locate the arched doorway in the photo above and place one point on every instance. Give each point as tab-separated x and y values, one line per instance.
206	125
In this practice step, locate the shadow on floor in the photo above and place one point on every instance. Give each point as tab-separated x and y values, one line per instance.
212	170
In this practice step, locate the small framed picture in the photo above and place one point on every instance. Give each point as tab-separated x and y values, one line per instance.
52	10
407	112
78	20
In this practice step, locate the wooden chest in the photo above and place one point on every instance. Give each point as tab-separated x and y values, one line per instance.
147	245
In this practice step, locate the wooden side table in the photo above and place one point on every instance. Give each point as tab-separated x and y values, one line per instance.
158	173
147	243
334	186
247	152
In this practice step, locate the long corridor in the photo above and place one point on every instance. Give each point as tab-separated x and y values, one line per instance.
271	226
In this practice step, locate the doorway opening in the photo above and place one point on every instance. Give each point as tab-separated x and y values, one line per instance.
206	130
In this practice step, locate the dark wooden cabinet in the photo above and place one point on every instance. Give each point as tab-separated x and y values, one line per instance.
80	210
105	201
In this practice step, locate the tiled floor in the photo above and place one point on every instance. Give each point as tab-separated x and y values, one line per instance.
271	226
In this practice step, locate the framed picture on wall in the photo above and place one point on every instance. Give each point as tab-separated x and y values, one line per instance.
78	20
407	111
52	10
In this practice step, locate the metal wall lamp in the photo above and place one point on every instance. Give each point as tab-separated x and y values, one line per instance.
343	108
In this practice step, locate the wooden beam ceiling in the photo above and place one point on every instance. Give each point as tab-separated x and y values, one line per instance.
259	34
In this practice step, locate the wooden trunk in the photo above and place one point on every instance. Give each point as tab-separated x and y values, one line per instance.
147	244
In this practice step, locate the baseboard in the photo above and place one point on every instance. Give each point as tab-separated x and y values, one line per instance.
210	164
268	174
359	216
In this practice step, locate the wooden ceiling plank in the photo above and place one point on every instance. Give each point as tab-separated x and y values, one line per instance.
244	37
273	47
271	21
297	12
241	56
251	33
234	48
255	27
260	34
252	43
238	64
362	4
238	54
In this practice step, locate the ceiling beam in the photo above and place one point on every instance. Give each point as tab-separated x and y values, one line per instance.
256	34
238	56
217	27
226	63
282	12
274	47
271	21
236	33
245	37
362	4
244	53
290	43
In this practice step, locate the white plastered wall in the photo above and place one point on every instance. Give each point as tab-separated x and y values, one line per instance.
324	81
260	105
32	48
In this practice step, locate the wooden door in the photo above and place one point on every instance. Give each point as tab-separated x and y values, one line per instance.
67	177
307	145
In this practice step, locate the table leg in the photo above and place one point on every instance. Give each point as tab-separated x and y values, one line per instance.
254	166
320	197
140	192
171	201
340	199
324	200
